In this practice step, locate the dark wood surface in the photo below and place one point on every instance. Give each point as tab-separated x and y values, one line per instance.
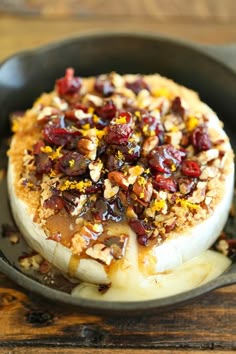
29	323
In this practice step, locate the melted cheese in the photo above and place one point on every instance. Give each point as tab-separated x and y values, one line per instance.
132	285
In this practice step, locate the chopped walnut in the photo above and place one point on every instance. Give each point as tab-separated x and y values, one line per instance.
95	170
209	172
80	114
118	178
97	101
110	190
101	252
174	138
199	194
88	147
144	191
143	99
149	144
82	238
46	111
31	261
79	242
205	156
223	247
134	173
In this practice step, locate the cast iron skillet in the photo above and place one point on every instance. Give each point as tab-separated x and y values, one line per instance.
211	71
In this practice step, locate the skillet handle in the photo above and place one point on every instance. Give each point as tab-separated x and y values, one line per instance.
224	53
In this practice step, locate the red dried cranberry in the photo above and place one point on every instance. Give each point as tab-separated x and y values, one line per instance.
130	151
37	147
69	84
143	240
101	208
55	202
104	86
80	106
73	164
164	158
118	133
43	163
200	139
113	163
107	111
165	183
177	107
138	227
59	135
93	189
153	125
127	116
191	168
137	85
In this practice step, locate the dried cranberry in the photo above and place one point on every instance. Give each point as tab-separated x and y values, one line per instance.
166	158
137	85
177	107
104	86
113	163
138	227
130	151
107	111
200	139
118	133
69	84
143	240
165	183
153	125
73	164
191	168
80	106
58	134
127	116
102	210
93	189
55	202
43	163
37	147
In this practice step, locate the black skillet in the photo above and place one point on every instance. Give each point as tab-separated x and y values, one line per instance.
209	70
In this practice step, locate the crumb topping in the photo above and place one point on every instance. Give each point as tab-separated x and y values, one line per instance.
132	148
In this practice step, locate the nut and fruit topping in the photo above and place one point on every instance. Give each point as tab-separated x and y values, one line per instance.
118	149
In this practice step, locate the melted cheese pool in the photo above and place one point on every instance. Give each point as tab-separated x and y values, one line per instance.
130	283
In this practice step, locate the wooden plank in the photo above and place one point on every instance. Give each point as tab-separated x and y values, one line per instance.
25	33
28	320
24	350
158	9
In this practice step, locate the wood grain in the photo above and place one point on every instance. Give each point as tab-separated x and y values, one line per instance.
24	33
24	350
30	321
204	10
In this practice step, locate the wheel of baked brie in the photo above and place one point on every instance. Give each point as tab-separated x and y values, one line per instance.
117	179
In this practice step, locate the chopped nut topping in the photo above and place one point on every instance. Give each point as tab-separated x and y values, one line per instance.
134	149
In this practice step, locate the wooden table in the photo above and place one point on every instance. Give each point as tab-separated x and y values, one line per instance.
29	323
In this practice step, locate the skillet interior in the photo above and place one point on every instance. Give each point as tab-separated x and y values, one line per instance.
24	76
